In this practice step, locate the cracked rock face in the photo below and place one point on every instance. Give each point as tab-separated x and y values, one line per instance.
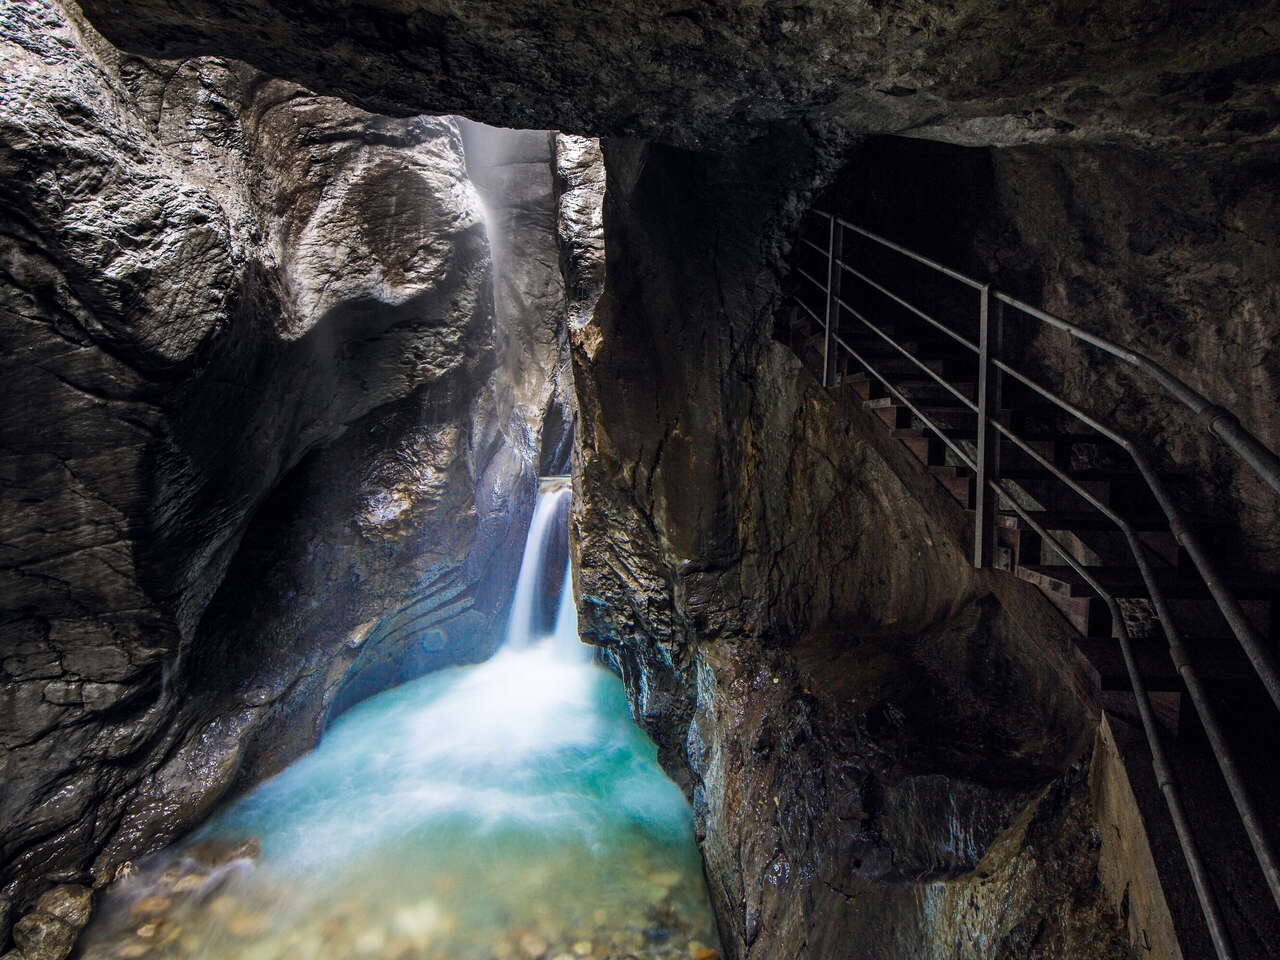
249	347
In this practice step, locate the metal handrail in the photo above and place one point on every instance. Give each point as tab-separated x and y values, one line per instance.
812	279
1218	420
960	339
907	355
954	447
1249	639
1228	605
1164	775
1159	761
988	483
1178	653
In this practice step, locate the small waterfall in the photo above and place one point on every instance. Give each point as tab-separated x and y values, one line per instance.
546	526
509	810
564	636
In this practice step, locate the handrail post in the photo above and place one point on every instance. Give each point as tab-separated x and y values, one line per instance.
987	462
835	244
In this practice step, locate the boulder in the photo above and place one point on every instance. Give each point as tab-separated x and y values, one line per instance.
69	902
42	936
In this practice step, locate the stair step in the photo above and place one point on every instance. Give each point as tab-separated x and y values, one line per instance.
915	380
1218	661
1021	410
965	386
943	365
926	406
1071	520
854	332
1125	582
916	433
951	405
960	433
1090	473
873	348
928	352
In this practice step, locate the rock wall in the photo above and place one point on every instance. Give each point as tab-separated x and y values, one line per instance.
514	172
521	419
252	378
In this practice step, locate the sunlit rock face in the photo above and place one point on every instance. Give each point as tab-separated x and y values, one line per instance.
580	180
248	336
514	174
519	423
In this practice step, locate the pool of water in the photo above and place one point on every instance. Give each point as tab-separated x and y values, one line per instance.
506	810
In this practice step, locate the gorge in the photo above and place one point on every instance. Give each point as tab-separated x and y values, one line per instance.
300	300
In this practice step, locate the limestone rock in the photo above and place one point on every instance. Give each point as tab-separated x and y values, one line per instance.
785	608
793	694
580	223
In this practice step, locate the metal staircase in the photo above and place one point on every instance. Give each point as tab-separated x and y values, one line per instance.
1057	498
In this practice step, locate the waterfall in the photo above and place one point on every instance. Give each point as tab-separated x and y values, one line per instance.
509	809
544	528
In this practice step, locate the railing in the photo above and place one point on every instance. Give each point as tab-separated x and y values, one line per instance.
992	432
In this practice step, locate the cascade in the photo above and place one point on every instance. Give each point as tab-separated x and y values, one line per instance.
505	810
547	523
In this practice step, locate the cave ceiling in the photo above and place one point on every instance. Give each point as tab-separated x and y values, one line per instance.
710	74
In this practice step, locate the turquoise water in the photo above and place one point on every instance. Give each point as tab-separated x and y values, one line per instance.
506	810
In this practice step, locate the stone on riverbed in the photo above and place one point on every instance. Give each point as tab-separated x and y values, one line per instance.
42	936
188	882
49	931
217	852
151	906
533	946
245	925
69	902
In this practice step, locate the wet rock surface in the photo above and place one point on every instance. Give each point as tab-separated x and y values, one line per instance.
889	807
580	183
49	932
